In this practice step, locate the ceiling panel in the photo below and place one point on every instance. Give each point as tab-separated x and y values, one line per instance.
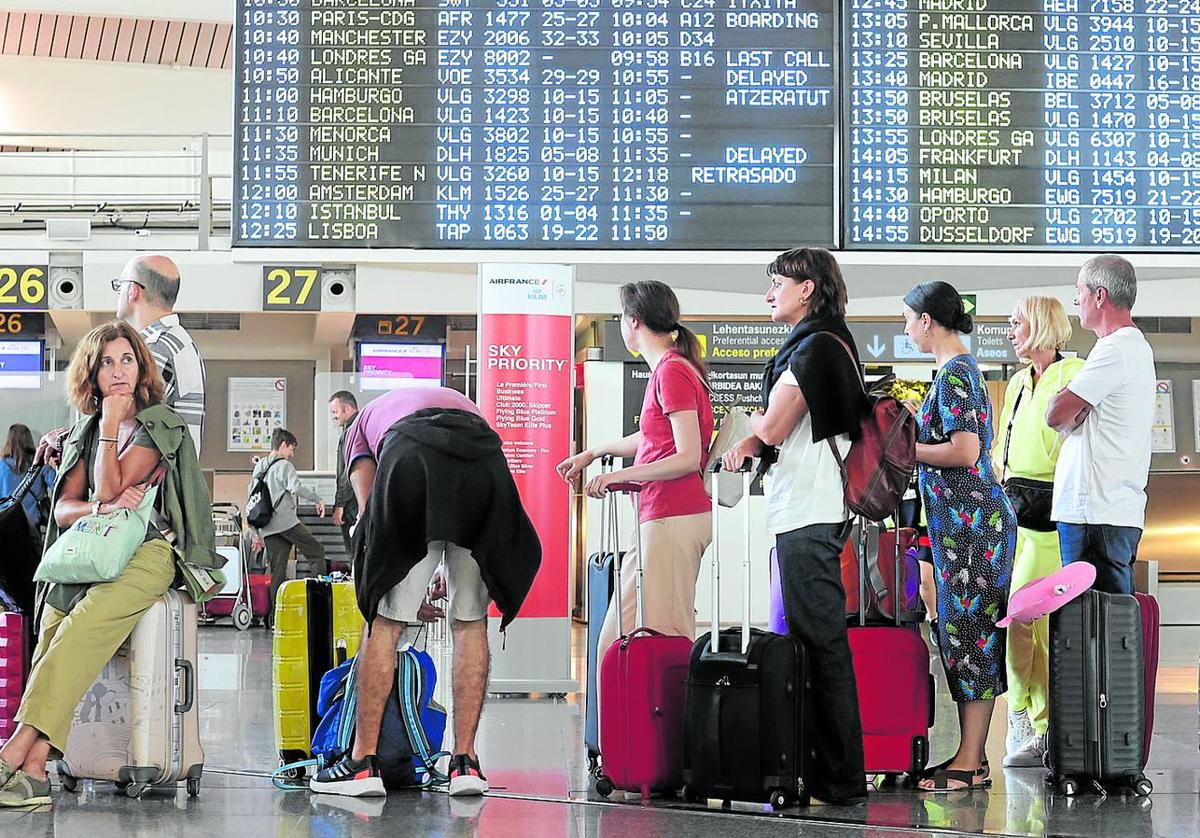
126	40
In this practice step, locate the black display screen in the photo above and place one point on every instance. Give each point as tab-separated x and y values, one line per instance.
1024	124
669	124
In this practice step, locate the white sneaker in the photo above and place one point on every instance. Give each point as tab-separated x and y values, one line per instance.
1030	755
466	780
1019	731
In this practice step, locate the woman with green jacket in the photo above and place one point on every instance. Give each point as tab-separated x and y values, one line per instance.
1028	450
126	438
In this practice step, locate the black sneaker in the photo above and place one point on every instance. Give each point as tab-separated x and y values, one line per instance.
350	777
465	777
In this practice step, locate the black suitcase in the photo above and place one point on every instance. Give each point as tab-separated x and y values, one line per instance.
745	711
1097	695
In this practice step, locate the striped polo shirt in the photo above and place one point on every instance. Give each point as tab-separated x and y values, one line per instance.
182	369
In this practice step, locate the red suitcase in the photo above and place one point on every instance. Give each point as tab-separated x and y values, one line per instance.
642	681
14	667
1150	623
895	687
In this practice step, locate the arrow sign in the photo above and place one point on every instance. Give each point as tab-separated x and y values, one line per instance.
876	347
968	301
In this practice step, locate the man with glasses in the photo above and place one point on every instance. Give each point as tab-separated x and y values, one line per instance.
146	293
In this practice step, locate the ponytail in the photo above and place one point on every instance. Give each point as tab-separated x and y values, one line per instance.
688	345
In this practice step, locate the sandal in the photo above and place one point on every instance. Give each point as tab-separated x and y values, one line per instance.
983	772
943	777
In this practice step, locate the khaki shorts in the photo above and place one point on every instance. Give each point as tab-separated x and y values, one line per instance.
464	586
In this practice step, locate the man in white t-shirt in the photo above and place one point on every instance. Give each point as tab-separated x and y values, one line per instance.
1105	415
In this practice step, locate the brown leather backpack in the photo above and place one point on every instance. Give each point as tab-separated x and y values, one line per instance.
879	466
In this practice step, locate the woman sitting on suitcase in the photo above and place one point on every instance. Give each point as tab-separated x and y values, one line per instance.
972	528
107	458
813	394
669	451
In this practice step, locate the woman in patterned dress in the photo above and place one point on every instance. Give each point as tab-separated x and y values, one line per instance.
972	528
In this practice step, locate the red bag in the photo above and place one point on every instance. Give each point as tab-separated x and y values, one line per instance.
882	591
878	468
14	669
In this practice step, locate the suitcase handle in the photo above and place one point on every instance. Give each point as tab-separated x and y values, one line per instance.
625	487
714	636
189	678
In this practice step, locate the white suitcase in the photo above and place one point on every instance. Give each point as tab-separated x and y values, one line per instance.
138	726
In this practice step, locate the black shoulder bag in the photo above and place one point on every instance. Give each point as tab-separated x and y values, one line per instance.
1032	500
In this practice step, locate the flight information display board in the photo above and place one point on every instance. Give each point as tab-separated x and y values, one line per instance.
1022	123
681	124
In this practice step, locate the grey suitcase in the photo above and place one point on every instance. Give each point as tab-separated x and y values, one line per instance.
1097	695
139	724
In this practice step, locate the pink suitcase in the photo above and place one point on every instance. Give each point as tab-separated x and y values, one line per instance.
642	682
260	599
1150	623
14	668
895	687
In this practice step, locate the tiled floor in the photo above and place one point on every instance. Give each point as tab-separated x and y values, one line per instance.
532	754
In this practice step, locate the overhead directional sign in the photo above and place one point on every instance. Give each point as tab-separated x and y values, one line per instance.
884	342
879	341
968	301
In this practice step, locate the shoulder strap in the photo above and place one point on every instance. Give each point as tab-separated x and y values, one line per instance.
837	455
1012	417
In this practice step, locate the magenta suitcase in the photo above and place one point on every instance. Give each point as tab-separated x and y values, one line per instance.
1150	623
895	687
642	684
14	668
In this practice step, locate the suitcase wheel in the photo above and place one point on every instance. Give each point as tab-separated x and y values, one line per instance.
604	786
241	617
1143	787
193	786
69	783
778	798
135	790
1069	787
292	774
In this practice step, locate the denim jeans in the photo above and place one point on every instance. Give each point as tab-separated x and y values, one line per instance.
1110	548
815	604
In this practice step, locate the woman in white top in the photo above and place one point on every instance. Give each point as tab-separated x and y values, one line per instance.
814	401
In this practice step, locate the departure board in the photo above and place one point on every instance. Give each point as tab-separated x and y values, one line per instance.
1022	124
690	124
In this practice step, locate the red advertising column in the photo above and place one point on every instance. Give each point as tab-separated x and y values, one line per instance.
526	364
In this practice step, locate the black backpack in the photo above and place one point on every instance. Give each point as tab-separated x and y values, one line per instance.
259	507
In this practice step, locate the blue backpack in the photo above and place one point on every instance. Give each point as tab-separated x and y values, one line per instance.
410	733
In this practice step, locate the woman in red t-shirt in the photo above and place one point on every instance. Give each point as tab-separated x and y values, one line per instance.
669	449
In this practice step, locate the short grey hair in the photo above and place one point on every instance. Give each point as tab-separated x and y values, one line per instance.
1115	275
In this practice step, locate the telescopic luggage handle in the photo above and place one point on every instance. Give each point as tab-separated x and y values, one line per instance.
634	491
714	642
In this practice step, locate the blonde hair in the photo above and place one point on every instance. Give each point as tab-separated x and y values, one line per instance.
82	389
1049	328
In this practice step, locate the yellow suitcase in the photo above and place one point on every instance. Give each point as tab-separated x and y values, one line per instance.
317	626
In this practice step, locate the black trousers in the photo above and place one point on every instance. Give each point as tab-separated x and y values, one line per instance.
815	604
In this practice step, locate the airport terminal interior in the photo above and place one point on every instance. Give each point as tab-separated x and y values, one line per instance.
363	196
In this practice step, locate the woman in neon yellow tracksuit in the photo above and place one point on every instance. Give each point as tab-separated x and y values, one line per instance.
1038	329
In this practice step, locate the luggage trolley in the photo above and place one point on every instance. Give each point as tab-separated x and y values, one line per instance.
234	599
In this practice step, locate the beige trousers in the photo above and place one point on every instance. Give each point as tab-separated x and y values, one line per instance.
672	549
73	648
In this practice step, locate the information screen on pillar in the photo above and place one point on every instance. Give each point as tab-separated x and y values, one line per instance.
669	124
1022	123
388	366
